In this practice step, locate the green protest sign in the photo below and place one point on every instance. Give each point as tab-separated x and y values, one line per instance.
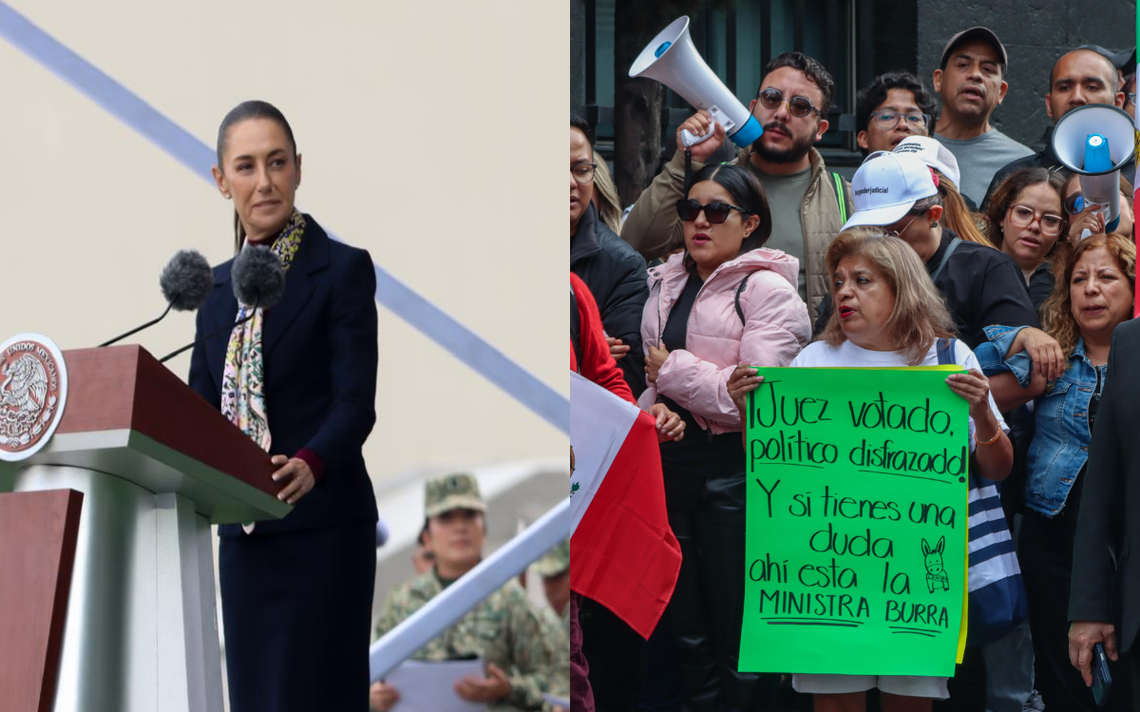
856	522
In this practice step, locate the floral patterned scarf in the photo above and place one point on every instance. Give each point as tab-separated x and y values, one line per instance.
243	380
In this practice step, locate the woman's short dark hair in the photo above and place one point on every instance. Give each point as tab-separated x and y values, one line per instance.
746	193
252	109
872	97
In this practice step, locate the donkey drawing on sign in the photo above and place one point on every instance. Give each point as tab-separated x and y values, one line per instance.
935	573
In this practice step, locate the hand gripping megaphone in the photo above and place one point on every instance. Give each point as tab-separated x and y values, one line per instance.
671	59
1095	141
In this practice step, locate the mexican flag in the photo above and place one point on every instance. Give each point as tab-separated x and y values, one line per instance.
622	552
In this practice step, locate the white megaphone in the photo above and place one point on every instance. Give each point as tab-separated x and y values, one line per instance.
671	59
1095	141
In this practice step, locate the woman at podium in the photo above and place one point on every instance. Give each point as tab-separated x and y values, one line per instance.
300	380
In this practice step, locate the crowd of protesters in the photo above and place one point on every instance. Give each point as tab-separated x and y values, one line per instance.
952	244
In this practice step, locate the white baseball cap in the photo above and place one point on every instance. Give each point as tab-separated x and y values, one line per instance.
886	187
931	152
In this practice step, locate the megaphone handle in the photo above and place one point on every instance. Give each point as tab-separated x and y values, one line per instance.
690	140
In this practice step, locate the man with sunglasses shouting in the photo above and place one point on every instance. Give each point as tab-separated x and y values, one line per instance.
809	203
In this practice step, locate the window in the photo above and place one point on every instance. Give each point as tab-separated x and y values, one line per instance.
736	43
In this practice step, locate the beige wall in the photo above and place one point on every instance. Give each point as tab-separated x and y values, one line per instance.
425	130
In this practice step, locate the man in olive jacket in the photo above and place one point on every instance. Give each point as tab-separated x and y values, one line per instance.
809	203
614	272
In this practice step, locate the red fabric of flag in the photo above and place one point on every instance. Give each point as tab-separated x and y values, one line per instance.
623	554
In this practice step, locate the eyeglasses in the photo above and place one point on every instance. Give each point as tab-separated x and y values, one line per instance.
887	120
715	212
1132	99
798	106
1023	216
899	233
583	172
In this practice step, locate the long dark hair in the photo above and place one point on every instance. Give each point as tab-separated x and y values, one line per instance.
244	111
746	192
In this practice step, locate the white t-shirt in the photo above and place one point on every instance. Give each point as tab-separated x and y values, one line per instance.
847	355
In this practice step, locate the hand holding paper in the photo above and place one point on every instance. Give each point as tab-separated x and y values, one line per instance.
857	522
476	688
431	686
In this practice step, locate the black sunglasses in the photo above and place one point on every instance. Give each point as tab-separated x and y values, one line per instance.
1074	204
715	212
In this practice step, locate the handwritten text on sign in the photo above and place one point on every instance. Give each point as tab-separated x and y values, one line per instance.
857	518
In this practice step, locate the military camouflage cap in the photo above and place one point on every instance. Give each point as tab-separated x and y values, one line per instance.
555	561
443	494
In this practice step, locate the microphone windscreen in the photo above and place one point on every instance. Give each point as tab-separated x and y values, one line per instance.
258	277
186	280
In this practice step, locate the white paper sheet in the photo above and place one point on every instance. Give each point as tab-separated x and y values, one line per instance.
430	687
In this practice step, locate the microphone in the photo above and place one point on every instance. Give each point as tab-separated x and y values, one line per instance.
259	281
186	281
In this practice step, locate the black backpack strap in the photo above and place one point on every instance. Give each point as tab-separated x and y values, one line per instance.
575	329
736	299
946	257
946	349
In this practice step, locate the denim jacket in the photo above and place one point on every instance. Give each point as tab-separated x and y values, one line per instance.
1061	445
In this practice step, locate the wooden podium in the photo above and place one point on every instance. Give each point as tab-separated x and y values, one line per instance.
156	465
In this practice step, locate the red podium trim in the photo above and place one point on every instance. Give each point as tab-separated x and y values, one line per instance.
38	534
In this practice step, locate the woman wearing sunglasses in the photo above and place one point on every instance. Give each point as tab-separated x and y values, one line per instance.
1085	218
1025	220
726	300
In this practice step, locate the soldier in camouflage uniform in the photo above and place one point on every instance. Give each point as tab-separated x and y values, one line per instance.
554	569
504	629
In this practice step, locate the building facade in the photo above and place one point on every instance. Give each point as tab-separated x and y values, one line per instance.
856	40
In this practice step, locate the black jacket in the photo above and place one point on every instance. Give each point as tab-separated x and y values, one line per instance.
1044	158
1108	525
320	354
1041	284
617	278
982	286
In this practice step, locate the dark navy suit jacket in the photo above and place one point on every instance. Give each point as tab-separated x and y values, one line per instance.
320	352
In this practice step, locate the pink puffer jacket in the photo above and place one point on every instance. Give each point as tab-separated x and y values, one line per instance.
774	329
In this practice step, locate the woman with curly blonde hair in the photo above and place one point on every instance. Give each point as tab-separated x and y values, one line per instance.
1096	282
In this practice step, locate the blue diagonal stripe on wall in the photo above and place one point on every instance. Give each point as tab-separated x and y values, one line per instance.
430	320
